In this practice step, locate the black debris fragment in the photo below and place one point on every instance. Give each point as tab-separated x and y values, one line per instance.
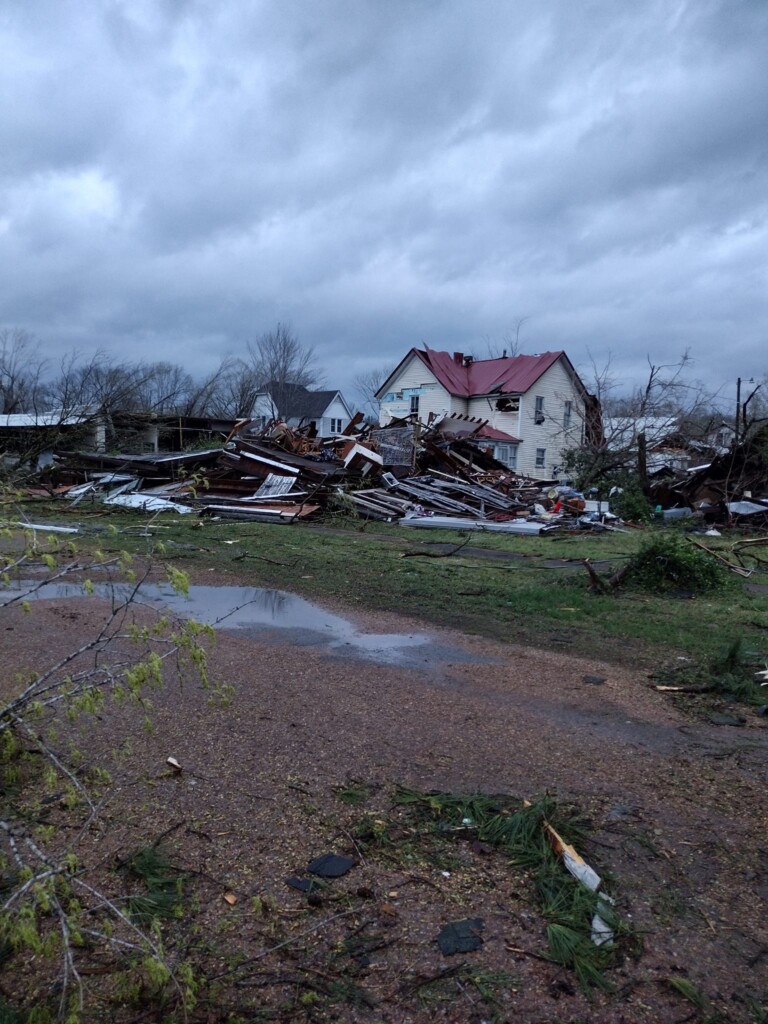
718	718
302	884
330	865
461	936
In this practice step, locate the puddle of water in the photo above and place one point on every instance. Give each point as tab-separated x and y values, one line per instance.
274	615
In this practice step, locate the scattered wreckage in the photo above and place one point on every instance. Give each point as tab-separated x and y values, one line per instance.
435	476
416	475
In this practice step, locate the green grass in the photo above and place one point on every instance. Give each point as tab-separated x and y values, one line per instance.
450	984
520	598
355	792
690	992
163	885
519	831
9	1014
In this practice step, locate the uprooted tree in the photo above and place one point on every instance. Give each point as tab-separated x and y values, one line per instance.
61	918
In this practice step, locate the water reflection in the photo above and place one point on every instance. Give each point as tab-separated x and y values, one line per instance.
274	615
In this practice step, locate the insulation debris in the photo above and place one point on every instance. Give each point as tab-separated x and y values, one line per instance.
576	865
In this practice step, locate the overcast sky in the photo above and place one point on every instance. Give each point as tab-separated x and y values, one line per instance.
178	175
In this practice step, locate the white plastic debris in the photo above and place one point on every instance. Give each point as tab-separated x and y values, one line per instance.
148	503
582	872
43	528
601	931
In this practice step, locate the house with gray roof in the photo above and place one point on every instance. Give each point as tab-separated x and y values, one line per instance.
299	407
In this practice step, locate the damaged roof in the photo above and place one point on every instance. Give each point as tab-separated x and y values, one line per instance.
497	435
464	377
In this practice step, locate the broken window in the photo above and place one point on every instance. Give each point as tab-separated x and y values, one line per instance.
538	416
541	458
414	405
567	411
508	403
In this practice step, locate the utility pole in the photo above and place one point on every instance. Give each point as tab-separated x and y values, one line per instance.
741	410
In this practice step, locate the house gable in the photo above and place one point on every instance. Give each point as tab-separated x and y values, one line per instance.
300	406
534	405
412	388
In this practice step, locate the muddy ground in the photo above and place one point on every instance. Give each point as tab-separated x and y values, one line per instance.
316	739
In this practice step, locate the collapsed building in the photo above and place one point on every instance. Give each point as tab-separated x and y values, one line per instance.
440	474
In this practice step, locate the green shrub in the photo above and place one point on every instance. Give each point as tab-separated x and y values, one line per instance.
667	562
631	504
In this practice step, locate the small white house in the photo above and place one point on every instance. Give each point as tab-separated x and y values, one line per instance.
299	407
535	405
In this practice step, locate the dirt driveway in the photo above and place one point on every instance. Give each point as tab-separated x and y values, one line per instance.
322	729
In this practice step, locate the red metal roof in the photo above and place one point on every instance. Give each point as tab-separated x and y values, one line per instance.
497	435
510	375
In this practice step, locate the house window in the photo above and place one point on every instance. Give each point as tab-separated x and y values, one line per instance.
507	454
567	410
414	405
538	416
541	458
336	427
508	404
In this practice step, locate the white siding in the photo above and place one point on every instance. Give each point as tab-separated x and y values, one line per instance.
337	410
263	410
415	379
556	387
485	409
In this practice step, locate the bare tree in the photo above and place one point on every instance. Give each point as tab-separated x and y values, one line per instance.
509	345
366	385
237	390
637	419
22	385
100	384
280	364
204	398
164	388
167	389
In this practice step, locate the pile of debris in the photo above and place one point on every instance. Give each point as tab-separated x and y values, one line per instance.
731	489
422	476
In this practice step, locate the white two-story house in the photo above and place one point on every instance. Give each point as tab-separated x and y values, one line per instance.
535	406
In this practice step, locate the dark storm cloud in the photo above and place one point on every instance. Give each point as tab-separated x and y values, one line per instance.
175	177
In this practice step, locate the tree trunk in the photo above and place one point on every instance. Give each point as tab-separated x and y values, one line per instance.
642	463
